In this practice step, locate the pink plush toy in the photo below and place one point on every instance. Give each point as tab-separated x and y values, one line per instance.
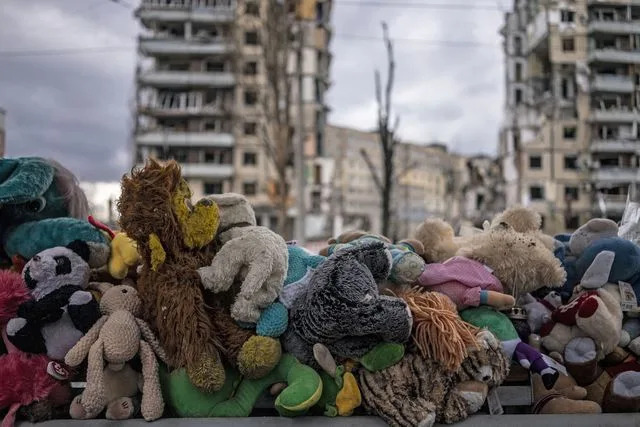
466	282
25	377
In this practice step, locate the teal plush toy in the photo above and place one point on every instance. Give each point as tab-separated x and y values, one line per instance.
275	318
42	207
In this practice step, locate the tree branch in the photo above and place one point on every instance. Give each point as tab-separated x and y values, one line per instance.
372	169
406	170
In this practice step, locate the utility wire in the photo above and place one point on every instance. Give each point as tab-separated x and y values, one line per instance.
408	5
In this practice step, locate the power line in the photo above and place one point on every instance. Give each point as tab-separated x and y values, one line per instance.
67	51
408	5
451	43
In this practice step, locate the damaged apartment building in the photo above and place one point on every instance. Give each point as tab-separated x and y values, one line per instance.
201	80
569	145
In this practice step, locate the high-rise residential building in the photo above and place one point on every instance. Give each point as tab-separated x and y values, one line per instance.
202	79
569	143
2	132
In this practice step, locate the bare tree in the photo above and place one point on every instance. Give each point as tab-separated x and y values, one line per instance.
277	130
386	136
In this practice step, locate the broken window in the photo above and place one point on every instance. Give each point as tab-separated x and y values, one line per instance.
249	158
251	38
518	72
213	187
572	222
215	66
518	96
250	68
571	193
517	45
250	97
252	8
535	162
567	15
569	132
250	128
249	188
536	192
479	201
567	88
568	44
570	162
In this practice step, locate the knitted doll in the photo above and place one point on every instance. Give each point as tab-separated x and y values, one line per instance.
116	339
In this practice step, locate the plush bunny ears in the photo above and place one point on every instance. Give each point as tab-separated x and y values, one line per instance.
598	272
24	179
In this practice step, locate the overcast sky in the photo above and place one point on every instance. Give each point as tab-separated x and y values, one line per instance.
77	107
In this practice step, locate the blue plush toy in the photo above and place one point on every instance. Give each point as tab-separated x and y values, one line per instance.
42	207
275	318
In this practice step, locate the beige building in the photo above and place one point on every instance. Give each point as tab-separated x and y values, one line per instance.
426	177
569	142
200	83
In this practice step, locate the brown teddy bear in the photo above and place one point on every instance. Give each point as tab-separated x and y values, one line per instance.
174	239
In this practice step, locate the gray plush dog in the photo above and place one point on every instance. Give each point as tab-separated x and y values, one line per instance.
254	255
342	309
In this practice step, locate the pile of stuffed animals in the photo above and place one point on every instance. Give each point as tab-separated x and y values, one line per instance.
192	310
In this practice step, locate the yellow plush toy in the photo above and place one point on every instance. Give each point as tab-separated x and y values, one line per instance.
124	251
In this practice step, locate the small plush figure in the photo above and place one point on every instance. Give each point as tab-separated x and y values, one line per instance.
43	207
302	264
343	309
256	256
61	310
116	339
124	251
417	391
467	282
539	310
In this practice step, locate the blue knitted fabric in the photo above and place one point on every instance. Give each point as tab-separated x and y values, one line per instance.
273	320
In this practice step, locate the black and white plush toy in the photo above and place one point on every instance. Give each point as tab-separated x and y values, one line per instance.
61	311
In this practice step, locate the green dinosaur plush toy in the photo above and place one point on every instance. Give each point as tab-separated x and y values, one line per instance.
238	395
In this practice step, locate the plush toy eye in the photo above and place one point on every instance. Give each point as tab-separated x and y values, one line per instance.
36	205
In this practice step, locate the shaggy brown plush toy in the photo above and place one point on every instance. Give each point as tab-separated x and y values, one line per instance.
174	239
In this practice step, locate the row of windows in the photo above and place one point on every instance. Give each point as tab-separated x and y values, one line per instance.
570	162
536	192
217	156
249	188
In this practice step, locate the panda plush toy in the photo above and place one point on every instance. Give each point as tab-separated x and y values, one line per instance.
61	311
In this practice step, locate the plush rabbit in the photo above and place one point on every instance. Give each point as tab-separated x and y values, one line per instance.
116	339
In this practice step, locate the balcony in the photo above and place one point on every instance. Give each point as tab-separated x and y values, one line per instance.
615	115
183	104
160	45
614	146
614	27
617	56
206	170
616	174
187	78
614	202
207	11
612	83
185	139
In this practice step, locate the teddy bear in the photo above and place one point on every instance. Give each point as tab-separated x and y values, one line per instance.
418	391
524	220
116	338
61	310
342	309
594	311
253	255
43	207
174	238
33	385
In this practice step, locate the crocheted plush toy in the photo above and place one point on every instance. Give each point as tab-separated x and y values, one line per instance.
43	207
252	255
32	385
61	311
343	310
420	391
174	239
116	339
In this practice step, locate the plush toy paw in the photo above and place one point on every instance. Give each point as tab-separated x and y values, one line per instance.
429	421
14	325
623	393
124	254
80	298
273	320
120	409
634	346
349	397
244	309
208	374
474	394
382	356
258	356
76	411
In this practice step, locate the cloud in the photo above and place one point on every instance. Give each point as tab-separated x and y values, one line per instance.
77	108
